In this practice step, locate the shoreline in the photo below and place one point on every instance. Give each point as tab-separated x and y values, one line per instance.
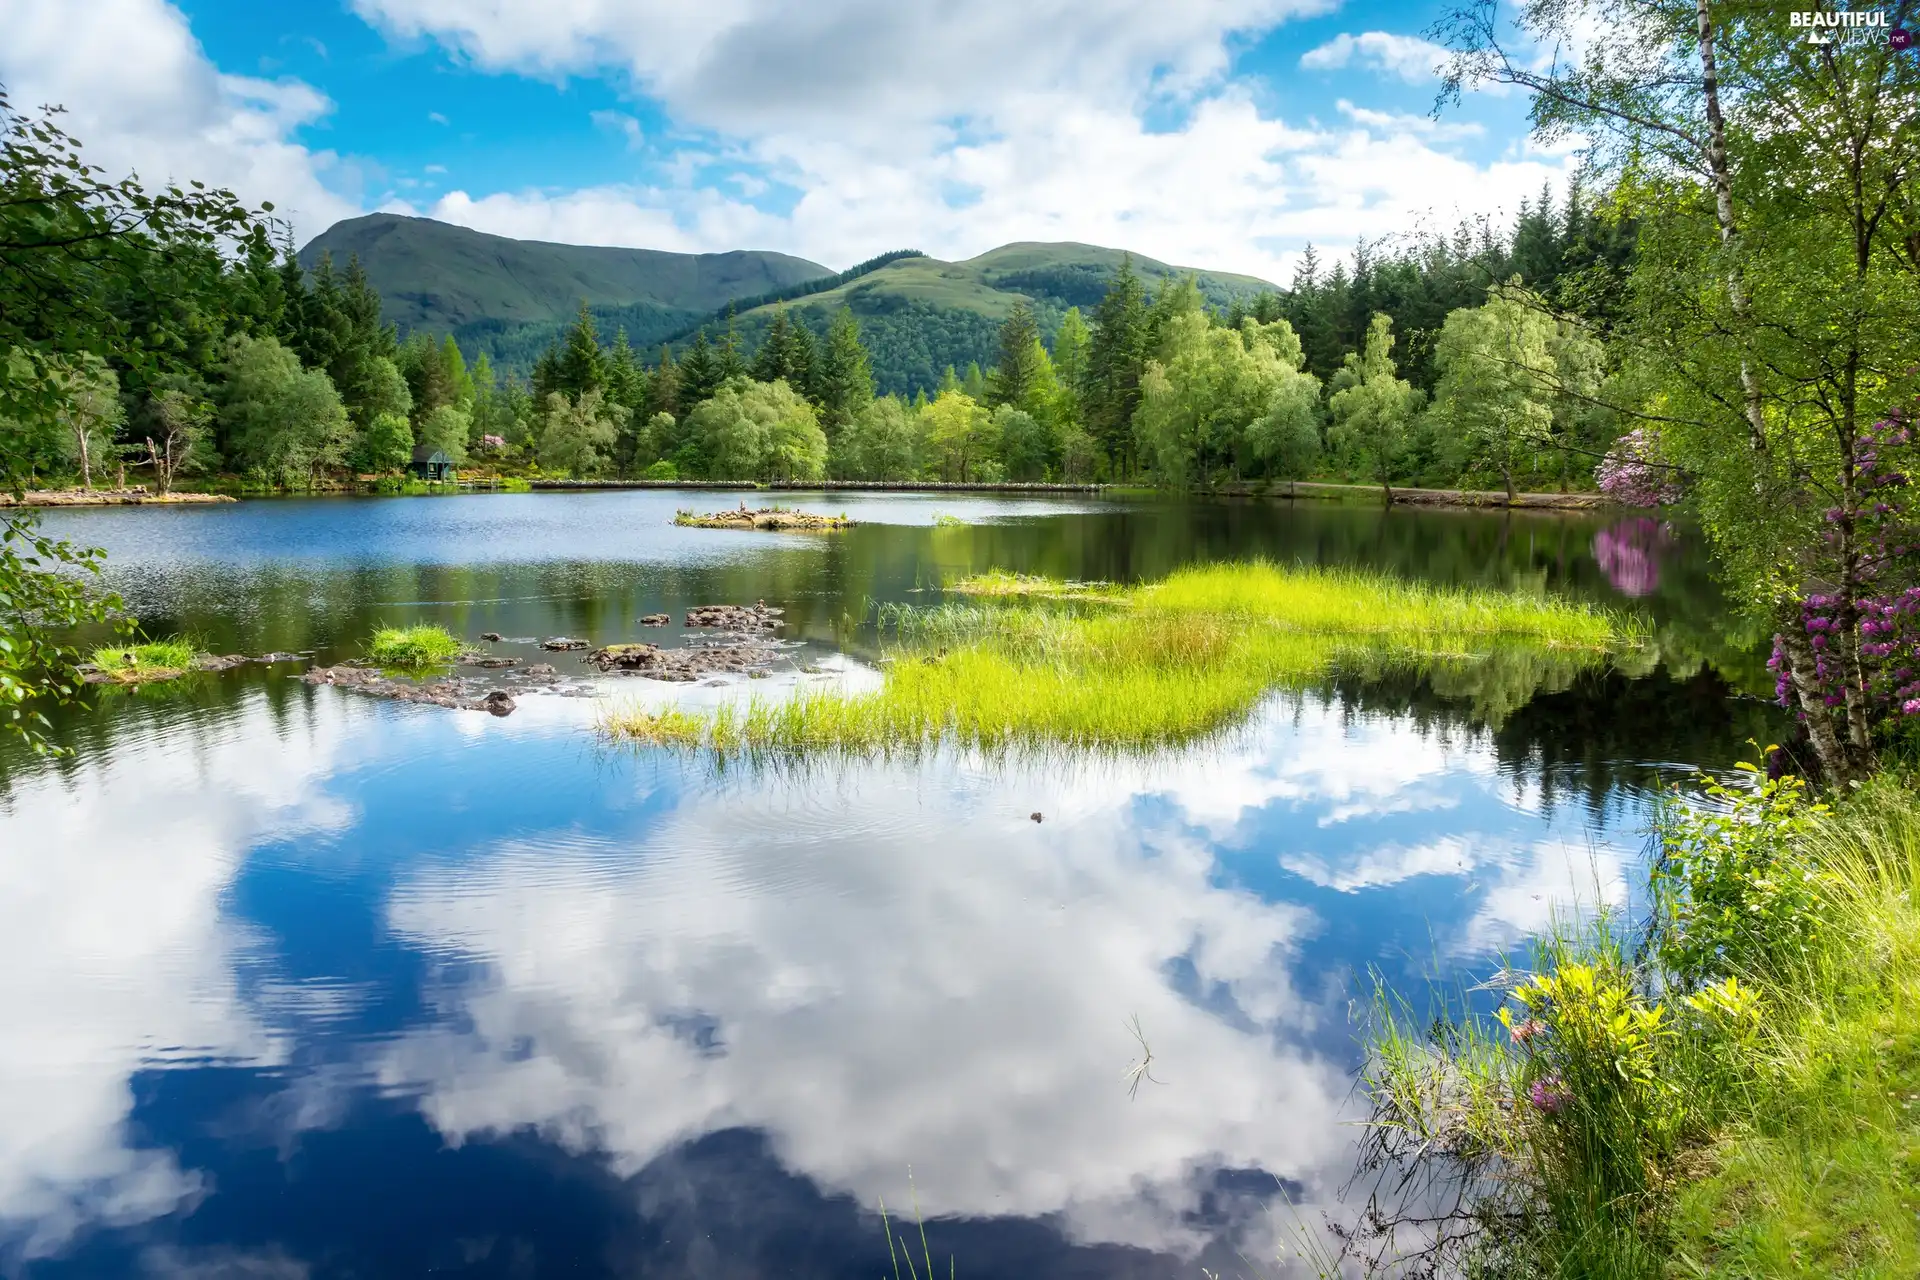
1306	490
133	497
1289	490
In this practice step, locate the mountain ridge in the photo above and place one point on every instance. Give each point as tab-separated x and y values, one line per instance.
436	275
918	314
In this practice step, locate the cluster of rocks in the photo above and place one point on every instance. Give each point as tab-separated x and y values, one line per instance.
454	692
739	642
685	664
771	518
740	619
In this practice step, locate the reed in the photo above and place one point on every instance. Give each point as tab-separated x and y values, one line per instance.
1023	662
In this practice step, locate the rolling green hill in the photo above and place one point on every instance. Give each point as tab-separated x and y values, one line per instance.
511	298
919	315
432	275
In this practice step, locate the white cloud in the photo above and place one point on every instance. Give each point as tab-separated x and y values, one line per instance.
879	69
1229	190
1402	122
621	124
141	95
871	111
1408	57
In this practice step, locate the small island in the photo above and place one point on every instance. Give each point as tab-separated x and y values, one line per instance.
776	519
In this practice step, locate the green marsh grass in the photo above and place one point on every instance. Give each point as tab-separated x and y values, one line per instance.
1038	664
1738	1121
413	647
146	660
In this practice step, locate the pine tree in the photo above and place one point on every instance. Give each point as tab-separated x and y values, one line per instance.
775	358
323	322
582	366
293	293
625	378
663	387
1015	373
974	385
454	373
701	373
546	373
728	359
844	383
1115	357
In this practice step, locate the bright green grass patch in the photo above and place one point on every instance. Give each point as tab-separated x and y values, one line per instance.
417	646
148	660
1152	667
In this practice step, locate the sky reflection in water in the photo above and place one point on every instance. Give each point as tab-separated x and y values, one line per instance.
298	984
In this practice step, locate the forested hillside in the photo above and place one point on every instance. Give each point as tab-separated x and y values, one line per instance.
447	279
917	314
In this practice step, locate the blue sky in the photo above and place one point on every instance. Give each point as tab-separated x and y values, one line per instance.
1219	133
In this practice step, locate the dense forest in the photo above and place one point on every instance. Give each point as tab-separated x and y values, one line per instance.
1470	359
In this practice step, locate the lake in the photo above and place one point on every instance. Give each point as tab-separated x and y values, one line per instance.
299	983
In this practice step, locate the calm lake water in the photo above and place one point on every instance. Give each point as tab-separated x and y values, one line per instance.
294	983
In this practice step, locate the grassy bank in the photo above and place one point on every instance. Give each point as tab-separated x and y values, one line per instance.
1028	662
1734	1092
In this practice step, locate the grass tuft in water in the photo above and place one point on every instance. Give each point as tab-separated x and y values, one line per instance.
413	647
1039	664
146	660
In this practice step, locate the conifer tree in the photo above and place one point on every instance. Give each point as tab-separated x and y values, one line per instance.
1016	371
701	372
663	387
625	377
1115	357
582	365
844	385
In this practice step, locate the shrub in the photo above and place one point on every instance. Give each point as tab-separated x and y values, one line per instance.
1732	894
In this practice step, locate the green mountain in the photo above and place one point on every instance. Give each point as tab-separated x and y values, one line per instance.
432	275
512	298
919	315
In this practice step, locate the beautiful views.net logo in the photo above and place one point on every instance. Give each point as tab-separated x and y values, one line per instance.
1850	26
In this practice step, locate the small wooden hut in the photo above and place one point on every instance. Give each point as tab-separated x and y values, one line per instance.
431	465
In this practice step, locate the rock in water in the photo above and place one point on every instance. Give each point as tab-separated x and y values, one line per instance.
734	617
559	643
499	703
655	620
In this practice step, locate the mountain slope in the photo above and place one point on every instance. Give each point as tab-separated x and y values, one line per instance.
432	275
920	315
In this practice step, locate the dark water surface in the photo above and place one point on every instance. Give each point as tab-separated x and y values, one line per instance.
294	983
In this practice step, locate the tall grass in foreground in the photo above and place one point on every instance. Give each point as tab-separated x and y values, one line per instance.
1042	664
413	647
1737	1097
